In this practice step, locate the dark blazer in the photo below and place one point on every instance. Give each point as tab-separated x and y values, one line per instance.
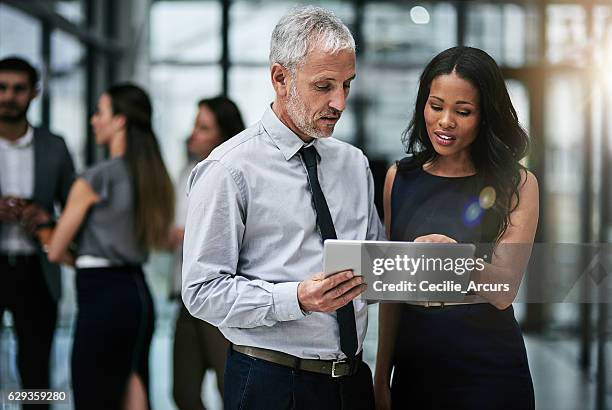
53	177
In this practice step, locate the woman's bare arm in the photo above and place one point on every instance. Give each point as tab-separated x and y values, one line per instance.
80	199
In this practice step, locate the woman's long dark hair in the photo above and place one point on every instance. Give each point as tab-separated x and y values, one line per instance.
501	141
227	115
152	186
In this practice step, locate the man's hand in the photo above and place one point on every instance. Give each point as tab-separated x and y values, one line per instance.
10	208
32	216
321	294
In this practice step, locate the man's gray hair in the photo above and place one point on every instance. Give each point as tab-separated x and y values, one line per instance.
302	29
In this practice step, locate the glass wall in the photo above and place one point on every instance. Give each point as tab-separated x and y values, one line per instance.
69	115
407	33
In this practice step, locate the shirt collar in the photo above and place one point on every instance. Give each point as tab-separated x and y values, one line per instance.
22	142
285	139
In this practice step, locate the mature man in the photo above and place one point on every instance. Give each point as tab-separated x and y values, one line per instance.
36	172
259	210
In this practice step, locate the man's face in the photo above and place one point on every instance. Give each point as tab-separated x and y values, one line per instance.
318	92
16	93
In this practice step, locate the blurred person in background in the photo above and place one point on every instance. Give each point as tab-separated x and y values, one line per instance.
198	345
117	211
36	172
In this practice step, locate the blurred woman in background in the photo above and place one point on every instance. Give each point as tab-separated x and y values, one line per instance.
117	211
198	346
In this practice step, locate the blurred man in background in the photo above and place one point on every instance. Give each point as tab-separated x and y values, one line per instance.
36	172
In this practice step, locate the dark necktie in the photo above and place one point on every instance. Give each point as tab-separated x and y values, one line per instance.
346	314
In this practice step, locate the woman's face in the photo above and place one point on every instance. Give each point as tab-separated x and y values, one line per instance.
452	115
104	123
206	134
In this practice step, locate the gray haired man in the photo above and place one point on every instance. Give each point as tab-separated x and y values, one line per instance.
260	207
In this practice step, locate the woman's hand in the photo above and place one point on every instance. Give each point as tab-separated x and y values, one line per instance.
382	395
435	238
67	259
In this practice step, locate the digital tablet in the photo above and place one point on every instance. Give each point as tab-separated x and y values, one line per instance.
339	255
406	271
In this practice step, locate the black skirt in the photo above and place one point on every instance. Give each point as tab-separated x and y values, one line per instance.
461	357
113	333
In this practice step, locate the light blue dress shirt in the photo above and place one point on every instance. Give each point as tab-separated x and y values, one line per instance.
251	236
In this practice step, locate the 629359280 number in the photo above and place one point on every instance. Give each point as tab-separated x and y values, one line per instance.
33	396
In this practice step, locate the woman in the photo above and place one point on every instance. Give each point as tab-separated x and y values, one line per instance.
198	345
462	182
121	208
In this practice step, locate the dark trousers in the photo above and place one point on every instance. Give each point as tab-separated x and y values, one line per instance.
198	346
260	385
24	292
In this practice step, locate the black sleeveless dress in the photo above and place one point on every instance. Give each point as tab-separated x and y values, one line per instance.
455	357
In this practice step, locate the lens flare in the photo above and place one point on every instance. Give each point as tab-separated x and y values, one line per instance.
487	197
472	213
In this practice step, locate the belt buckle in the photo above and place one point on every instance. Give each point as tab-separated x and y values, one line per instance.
429	304
333	373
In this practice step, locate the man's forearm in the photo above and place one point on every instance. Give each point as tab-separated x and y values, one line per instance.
235	301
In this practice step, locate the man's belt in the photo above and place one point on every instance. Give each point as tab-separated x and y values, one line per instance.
333	368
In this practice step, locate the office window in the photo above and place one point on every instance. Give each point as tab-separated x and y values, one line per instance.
602	39
508	32
185	31
566	34
485	24
408	33
69	116
564	129
71	10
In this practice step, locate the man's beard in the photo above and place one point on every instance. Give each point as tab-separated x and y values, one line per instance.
18	115
297	110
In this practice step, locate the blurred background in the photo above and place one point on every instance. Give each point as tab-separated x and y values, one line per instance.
555	55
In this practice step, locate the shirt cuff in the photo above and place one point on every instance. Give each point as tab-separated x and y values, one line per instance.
286	303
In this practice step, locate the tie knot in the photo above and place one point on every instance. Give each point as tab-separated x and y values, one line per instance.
309	154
